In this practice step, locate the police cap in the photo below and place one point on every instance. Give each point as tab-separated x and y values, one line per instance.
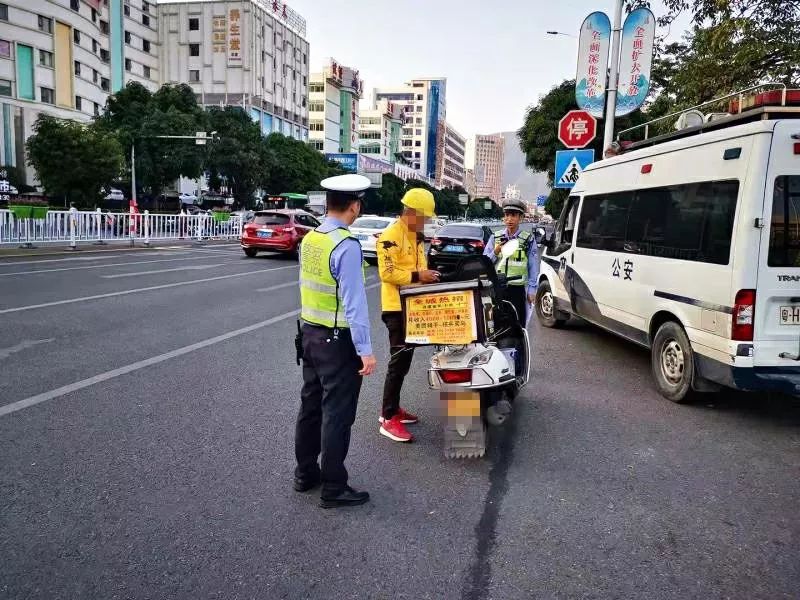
346	184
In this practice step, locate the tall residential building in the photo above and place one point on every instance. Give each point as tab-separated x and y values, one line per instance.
64	58
489	156
333	108
424	107
449	157
250	53
379	130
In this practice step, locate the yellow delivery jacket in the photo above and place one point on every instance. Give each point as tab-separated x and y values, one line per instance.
400	259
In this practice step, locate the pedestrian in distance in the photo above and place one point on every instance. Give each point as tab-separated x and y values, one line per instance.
334	345
402	261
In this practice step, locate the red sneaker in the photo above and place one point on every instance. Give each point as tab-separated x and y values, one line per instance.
395	430
406	418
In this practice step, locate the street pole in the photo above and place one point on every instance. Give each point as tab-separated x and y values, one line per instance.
613	77
133	172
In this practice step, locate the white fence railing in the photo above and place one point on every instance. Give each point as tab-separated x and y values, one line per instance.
74	226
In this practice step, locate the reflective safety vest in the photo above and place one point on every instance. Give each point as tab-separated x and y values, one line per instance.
320	300
517	264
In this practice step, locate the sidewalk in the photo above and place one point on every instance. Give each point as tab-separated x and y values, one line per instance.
56	249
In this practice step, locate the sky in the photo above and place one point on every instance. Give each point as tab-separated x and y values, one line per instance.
495	54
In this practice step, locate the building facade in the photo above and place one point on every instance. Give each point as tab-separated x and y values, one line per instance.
488	169
424	105
333	100
379	130
64	57
251	53
451	149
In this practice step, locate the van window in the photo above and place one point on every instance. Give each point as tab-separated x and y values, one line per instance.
604	220
686	222
784	233
566	226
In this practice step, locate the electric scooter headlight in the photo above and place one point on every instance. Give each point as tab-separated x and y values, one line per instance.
481	359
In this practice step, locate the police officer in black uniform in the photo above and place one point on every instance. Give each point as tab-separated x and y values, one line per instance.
335	345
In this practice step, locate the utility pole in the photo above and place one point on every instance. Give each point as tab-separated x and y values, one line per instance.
613	76
133	172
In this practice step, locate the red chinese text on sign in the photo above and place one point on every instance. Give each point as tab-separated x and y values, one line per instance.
577	129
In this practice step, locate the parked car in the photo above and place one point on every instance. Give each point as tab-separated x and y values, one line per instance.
432	227
187	198
246	215
367	230
115	194
455	241
279	230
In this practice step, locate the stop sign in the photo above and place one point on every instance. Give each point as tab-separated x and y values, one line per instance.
577	129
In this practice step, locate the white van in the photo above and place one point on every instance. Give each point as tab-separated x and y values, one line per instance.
690	246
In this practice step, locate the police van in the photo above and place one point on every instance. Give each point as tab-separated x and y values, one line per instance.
689	244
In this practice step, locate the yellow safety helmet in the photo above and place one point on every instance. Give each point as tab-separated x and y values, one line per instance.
421	200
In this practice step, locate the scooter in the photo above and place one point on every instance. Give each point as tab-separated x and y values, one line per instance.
479	381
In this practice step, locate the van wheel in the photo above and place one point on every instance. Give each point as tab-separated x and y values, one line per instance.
672	361
546	310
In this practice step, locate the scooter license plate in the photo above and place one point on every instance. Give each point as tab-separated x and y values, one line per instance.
462	404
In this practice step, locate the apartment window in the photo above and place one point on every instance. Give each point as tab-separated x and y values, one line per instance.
145	7
194	24
104	55
5	87
316	87
146	71
94	16
104	85
418	143
417	154
194	75
76	34
128	65
46	24
304	58
47	95
126	10
103	28
145	20
146	45
75	4
194	49
316	126
418	132
78	103
419	97
46	58
3	12
419	109
5	49
127	37
419	120
95	75
94	42
316	106
77	68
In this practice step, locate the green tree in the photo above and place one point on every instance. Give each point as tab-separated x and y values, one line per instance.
294	166
238	155
389	195
73	160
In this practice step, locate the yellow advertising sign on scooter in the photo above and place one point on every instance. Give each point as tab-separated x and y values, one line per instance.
441	318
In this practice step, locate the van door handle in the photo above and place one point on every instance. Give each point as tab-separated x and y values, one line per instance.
572	258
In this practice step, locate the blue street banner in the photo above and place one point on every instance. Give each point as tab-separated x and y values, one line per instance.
569	166
590	80
348	161
541	200
636	59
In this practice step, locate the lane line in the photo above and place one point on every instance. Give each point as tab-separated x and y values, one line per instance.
269	289
149	362
138	290
172	270
104	266
57	260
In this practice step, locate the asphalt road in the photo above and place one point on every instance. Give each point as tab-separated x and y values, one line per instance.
147	402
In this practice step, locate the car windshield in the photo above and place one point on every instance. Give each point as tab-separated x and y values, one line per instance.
461	231
271	219
371	223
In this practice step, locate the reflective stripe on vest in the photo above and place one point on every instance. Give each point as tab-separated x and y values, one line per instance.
517	264
319	300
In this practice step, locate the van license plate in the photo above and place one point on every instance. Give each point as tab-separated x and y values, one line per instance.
790	315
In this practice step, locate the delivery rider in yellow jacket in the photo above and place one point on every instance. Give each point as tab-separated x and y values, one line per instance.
401	261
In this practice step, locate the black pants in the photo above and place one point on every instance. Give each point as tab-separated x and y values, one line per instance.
518	296
399	363
331	385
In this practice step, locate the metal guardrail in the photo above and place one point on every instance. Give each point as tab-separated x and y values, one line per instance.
74	226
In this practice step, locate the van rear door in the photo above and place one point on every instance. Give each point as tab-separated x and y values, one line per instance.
776	333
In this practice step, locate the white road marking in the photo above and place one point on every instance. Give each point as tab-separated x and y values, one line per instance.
138	290
56	260
23	345
173	270
149	362
275	287
103	266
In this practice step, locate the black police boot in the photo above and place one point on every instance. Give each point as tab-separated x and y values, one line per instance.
304	485
347	497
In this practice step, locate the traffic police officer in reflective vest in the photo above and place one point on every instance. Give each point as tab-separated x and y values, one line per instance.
523	264
335	345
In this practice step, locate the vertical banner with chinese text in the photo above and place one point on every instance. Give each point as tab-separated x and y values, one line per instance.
219	35
234	38
590	81
636	59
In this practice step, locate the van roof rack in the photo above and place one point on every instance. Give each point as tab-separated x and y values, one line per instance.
744	106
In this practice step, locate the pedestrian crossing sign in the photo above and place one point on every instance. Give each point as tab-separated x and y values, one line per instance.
569	166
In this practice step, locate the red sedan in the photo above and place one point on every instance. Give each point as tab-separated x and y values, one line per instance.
279	230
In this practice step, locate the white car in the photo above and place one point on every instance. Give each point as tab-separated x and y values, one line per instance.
115	194
187	198
366	230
